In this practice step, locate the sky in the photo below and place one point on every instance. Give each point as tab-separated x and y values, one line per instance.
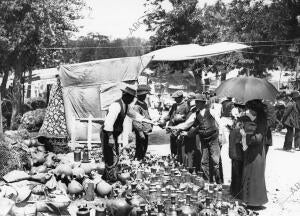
116	18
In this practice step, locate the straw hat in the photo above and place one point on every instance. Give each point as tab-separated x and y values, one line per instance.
177	94
200	97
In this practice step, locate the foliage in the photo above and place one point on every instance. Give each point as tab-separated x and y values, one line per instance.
32	120
271	29
14	155
26	27
259	24
36	103
95	46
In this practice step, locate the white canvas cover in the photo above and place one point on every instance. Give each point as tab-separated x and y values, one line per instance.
89	88
194	51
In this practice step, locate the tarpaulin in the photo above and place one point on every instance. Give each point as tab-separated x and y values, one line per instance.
90	87
194	51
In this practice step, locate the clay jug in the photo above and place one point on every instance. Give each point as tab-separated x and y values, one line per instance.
120	206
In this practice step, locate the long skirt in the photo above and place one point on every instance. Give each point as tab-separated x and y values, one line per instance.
253	182
236	178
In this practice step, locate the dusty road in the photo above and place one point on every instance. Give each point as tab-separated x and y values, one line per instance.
282	174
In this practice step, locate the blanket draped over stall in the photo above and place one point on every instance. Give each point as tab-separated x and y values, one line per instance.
54	125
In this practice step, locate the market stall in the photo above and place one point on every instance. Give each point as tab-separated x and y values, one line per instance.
71	183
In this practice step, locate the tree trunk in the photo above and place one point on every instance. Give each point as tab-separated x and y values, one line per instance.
198	80
3	84
1	120
16	96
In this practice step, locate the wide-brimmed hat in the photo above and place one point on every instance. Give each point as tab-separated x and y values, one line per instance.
200	97
143	89
129	90
191	96
177	94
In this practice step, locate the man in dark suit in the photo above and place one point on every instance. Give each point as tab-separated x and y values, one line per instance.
113	127
290	120
205	125
141	129
176	115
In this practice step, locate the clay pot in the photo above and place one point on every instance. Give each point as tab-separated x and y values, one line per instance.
103	188
120	206
125	176
100	167
63	170
78	172
75	187
87	167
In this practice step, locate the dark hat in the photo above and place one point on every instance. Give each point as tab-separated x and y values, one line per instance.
295	95
129	90
177	94
143	89
200	97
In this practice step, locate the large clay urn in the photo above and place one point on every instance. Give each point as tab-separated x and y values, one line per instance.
120	206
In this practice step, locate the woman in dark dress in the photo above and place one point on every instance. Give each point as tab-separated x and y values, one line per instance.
236	151
254	191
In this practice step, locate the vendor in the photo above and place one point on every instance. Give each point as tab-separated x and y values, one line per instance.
176	115
113	127
141	129
190	148
205	125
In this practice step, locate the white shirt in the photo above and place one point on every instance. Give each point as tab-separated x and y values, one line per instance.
113	112
214	111
188	123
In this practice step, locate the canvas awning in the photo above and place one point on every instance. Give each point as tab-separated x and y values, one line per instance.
194	51
89	88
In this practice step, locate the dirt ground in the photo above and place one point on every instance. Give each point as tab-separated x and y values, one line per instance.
282	174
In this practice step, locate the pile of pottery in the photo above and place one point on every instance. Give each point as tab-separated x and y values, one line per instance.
158	185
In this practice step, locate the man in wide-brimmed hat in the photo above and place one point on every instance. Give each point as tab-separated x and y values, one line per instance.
191	96
176	115
113	127
188	147
141	129
206	126
291	121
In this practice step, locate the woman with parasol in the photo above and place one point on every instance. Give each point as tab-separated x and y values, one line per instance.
253	131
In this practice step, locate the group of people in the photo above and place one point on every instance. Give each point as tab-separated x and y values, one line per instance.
200	128
290	120
204	129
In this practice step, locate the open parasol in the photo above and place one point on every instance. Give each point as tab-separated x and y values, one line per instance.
247	88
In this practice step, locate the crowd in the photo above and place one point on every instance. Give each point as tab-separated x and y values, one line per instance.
204	129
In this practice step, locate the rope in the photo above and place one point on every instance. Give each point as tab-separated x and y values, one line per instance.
270	54
169	45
